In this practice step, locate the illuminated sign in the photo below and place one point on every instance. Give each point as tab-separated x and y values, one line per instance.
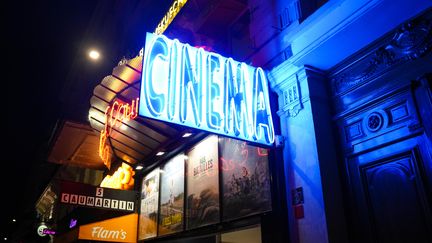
122	178
170	15
115	114
120	229
195	88
41	228
73	223
79	194
49	232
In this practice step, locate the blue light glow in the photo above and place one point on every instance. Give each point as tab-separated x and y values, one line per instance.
195	88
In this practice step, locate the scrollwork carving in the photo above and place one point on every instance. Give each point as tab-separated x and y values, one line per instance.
411	41
292	99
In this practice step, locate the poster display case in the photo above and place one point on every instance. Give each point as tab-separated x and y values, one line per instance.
245	179
148	217
171	215
219	179
202	207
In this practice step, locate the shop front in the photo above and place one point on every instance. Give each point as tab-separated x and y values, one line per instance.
216	156
213	177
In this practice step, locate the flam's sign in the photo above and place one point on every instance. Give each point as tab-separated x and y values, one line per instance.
192	87
120	229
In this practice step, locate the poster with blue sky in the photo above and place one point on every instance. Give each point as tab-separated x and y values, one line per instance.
172	196
149	206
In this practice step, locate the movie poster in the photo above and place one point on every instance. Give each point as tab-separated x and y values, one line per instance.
245	179
202	204
149	206
172	196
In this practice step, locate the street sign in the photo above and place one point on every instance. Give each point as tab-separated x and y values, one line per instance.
86	195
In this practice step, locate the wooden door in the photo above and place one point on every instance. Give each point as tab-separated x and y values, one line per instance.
392	193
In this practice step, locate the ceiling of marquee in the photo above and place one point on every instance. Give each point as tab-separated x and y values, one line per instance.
75	144
135	140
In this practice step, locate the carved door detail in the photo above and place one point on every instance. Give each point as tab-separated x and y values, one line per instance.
392	194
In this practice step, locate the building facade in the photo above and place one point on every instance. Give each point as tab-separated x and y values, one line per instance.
351	93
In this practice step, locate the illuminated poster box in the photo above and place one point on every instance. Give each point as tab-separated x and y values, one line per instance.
202	184
203	90
148	217
172	196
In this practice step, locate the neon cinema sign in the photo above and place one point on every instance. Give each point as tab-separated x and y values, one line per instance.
195	88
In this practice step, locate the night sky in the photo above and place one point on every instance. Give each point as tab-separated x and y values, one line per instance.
42	40
45	45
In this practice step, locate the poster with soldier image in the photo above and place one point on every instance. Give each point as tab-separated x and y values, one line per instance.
172	196
147	226
245	179
202	203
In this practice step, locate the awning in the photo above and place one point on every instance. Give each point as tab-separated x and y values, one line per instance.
135	140
75	144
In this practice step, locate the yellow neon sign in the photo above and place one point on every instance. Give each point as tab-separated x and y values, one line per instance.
169	16
121	179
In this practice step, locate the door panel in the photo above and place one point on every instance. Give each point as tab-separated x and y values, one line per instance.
392	193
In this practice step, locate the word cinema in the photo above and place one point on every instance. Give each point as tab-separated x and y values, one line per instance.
203	90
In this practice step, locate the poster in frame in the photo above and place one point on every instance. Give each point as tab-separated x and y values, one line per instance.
171	208
202	183
245	179
149	196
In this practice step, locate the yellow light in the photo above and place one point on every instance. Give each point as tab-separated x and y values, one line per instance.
93	54
122	178
169	16
123	127
139	167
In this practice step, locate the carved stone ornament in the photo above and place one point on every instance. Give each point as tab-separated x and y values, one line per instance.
292	103
374	122
409	42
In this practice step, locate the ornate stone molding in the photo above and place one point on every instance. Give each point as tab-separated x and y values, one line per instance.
285	82
411	41
292	102
295	86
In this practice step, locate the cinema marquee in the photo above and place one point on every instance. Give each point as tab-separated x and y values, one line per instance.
203	90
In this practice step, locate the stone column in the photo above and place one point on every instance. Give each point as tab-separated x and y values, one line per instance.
309	155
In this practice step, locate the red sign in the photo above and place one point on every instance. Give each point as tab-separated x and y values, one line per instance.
115	115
